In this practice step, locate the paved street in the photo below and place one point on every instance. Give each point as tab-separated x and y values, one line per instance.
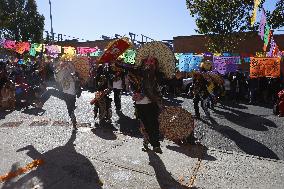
240	145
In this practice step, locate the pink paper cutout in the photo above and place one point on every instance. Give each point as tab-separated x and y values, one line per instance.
86	50
53	49
9	44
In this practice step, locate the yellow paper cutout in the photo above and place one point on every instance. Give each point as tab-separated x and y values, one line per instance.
71	51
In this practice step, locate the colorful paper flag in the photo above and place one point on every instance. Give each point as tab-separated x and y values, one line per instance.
256	4
21	47
262	24
272	47
266	36
33	50
71	51
9	44
276	51
224	65
2	42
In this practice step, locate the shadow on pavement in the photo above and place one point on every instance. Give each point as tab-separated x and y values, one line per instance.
234	105
51	92
193	151
12	124
34	111
170	101
128	126
105	131
246	144
164	178
247	120
63	168
3	114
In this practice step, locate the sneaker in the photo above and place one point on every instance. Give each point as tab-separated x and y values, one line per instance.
39	105
145	147
74	124
158	150
191	140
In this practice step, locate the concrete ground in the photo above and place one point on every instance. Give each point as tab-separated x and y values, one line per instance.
241	147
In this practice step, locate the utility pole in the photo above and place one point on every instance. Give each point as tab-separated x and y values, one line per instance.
50	13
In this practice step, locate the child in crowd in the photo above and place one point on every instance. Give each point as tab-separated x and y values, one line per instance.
7	96
102	102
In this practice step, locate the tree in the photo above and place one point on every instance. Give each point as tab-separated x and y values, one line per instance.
222	21
3	16
35	21
276	18
21	21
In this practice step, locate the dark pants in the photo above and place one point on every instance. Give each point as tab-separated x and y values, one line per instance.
117	98
204	106
148	114
252	94
69	99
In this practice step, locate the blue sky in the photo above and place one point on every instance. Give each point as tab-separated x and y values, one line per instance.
90	19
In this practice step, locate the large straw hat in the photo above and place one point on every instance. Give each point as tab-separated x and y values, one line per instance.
82	67
162	53
176	123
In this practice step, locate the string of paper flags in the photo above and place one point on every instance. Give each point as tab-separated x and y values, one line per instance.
265	32
54	51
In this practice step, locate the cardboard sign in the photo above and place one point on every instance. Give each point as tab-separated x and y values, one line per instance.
224	65
264	67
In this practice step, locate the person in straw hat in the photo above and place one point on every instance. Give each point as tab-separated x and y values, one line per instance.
102	101
117	86
148	103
